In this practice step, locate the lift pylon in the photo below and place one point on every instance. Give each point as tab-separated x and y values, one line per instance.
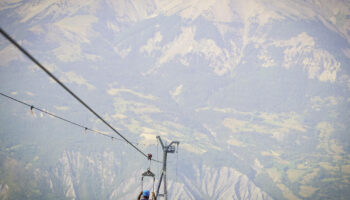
166	149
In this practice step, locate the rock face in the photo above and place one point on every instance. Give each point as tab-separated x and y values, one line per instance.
4	191
206	182
216	183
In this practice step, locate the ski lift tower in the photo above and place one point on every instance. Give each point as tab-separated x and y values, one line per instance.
166	149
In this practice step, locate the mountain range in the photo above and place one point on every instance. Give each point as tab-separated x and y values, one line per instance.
257	93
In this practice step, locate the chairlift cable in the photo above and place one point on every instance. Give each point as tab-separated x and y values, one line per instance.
32	107
9	38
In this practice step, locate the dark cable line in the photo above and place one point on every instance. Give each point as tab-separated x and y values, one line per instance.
8	37
32	107
68	121
61	118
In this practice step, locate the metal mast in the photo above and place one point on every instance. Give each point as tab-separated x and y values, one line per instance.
166	149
